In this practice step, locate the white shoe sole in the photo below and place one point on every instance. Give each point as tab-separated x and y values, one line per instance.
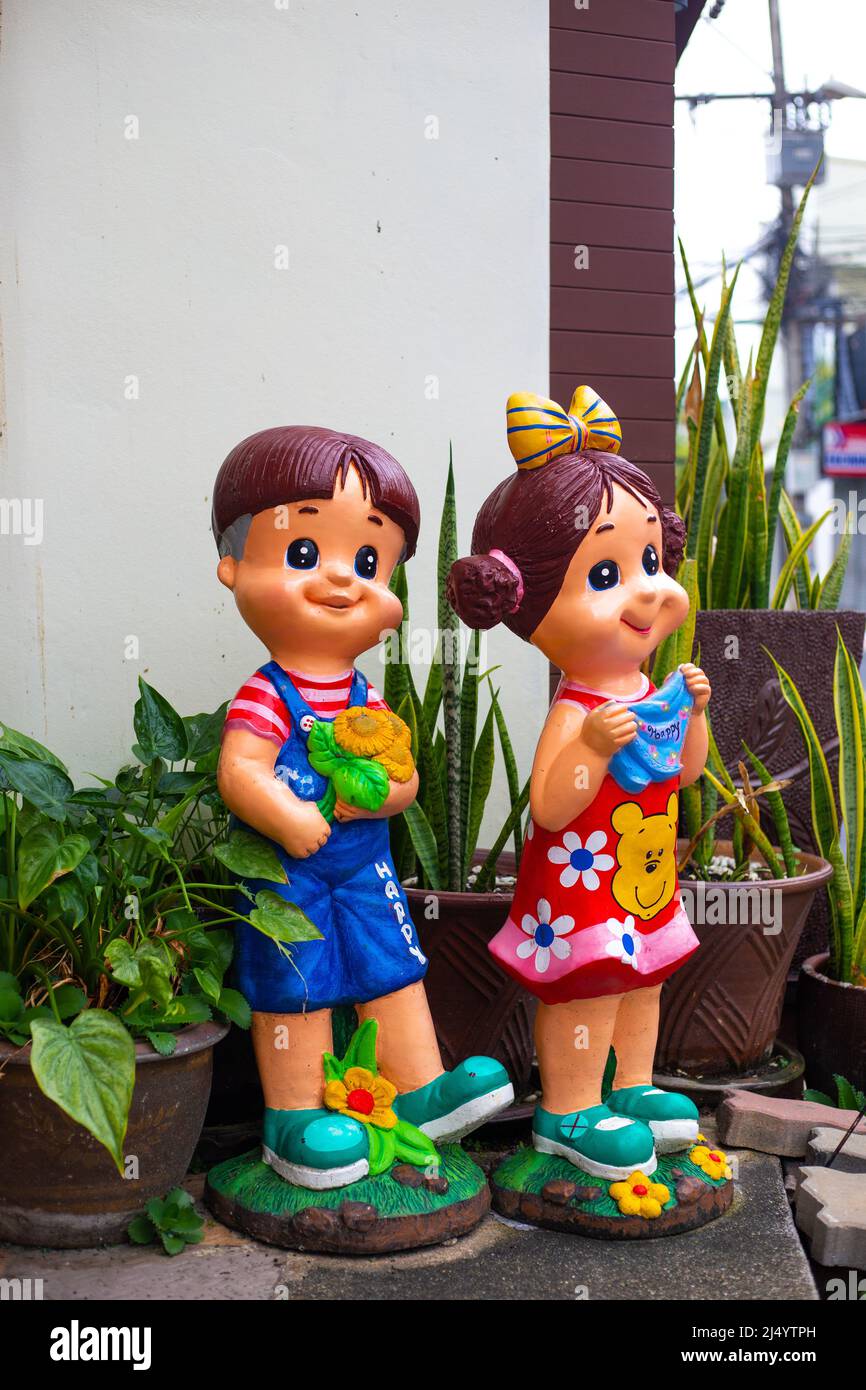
317	1178
469	1116
589	1165
672	1135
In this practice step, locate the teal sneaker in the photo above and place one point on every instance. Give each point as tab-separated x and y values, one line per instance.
458	1101
601	1143
315	1148
672	1118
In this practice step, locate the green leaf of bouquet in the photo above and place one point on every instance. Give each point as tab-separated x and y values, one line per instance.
235	1007
251	856
381	1149
141	1230
158	727
88	1069
43	855
361	782
333	1068
42	784
323	751
361	1051
281	920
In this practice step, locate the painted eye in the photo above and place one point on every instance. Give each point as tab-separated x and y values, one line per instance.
302	555
366	562
604	575
650	560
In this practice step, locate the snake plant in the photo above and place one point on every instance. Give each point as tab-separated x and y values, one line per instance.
731	515
435	839
840	839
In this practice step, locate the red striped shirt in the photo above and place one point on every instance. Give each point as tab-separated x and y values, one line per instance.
258	707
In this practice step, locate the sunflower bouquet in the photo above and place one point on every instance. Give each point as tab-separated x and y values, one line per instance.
361	752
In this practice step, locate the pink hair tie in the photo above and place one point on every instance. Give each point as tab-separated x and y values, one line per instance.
509	564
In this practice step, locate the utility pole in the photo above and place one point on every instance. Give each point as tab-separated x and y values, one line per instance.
790	326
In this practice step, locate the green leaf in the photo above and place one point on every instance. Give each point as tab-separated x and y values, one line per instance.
818	1097
794	561
251	856
830	590
849	1097
482	777
282	921
172	1245
361	1051
22	746
141	1230
323	750
43	855
209	983
88	1069
42	784
203	732
124	965
361	782
424	842
850	711
730	556
381	1149
69	1000
163	1043
158	727
708	410
413	1146
780	463
235	1007
512	776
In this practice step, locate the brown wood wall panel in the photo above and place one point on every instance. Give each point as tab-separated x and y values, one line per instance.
616	142
631	397
612	269
626	185
612	311
641	354
637	19
611	133
611	98
593	224
611	56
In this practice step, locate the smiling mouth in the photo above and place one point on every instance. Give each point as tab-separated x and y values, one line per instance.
644	631
335	601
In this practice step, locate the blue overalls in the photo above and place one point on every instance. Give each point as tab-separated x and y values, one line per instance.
348	888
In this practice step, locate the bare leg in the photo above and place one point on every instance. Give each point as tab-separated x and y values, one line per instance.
573	1041
288	1050
635	1036
408	1052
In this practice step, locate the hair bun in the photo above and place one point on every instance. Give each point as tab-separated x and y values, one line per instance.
482	590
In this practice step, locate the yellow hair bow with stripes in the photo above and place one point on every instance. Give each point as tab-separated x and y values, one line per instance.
540	430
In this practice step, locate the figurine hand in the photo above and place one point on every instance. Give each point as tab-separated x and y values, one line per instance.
697	685
343	812
308	831
608	728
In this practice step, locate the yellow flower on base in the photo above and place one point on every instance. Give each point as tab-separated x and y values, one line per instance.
639	1196
364	732
365	1097
711	1161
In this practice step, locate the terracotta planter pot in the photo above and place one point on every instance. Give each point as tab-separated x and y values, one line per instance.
59	1186
748	704
721	1010
475	1007
831	1027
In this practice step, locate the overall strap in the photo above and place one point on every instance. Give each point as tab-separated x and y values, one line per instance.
290	696
358	691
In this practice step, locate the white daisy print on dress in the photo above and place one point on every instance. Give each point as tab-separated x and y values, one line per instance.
582	861
544	936
625	943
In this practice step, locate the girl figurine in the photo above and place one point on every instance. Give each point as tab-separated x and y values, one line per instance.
310	524
576	554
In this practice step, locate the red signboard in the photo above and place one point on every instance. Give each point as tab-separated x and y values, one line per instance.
845	448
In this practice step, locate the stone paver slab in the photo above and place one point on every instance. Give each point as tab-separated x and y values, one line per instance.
773	1126
824	1142
831	1211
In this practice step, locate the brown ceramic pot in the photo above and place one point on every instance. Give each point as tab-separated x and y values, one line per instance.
476	1008
58	1186
748	704
720	1012
831	1027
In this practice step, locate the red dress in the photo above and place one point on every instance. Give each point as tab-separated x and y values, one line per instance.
597	905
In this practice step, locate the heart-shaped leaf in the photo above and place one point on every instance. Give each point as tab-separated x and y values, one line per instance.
251	856
361	782
43	855
88	1069
42	784
158	727
282	921
203	732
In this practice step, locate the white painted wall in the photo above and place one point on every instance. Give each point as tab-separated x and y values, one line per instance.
299	123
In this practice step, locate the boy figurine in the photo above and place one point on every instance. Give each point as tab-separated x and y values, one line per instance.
309	525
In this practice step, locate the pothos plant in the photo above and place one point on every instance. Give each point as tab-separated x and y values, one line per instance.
116	903
434	841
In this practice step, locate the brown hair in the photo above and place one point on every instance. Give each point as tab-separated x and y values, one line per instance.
538	518
293	462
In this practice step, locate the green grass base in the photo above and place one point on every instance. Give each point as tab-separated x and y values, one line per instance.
253	1185
527	1171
